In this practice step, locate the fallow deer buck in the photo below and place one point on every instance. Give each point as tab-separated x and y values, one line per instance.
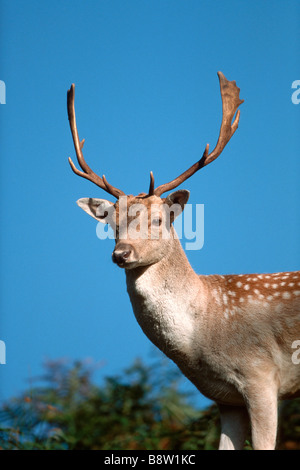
230	335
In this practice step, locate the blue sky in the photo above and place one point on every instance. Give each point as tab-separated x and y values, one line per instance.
147	98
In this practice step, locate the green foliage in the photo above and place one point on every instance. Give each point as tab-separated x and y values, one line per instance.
289	431
144	408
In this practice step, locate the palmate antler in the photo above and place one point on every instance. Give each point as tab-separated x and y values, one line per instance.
230	103
87	172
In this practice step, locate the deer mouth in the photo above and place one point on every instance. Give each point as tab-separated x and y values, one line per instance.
126	264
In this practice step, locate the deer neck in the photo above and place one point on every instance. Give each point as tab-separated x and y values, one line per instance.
165	300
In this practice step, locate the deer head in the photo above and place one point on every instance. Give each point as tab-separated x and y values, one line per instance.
148	214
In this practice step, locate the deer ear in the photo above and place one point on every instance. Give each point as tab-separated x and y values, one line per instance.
177	201
101	209
180	197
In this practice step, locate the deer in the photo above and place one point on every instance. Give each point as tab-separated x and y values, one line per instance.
230	335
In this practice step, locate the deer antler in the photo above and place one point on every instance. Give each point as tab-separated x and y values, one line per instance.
87	171
230	103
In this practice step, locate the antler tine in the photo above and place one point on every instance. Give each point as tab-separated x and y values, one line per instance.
151	186
87	171
230	103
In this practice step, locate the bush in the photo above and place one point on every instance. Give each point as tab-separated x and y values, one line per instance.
143	408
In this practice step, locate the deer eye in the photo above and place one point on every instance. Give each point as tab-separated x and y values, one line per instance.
156	221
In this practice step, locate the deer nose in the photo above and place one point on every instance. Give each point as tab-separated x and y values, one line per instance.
121	255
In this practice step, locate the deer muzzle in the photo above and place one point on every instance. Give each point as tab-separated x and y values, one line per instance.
122	254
